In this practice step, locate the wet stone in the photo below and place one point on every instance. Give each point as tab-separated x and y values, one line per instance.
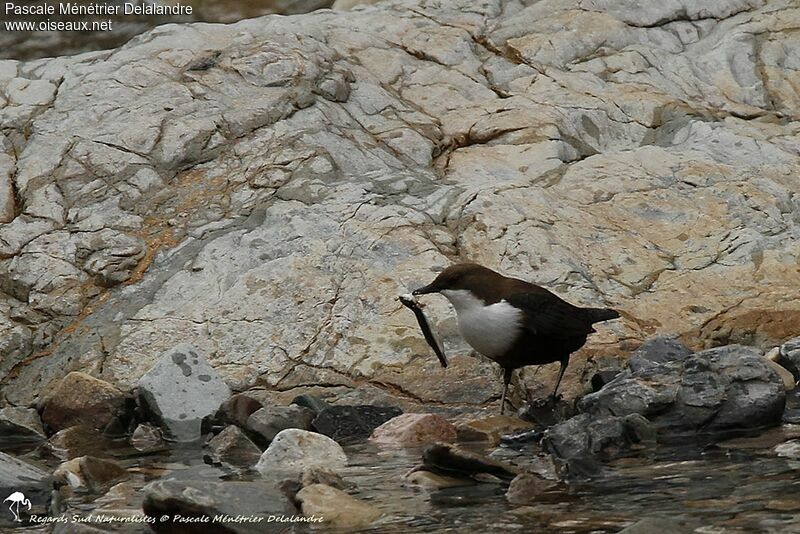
656	525
526	488
789	357
146	437
294	450
433	481
237	409
311	402
338	509
789	449
490	429
81	399
19	478
313	475
207	499
90	473
79	440
233	447
176	397
20	425
351	424
266	423
451	460
585	440
412	429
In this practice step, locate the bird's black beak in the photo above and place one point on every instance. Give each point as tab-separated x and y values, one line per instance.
430	288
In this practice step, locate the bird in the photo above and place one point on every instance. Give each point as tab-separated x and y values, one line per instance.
513	322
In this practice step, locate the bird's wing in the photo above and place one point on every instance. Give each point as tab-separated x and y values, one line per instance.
548	315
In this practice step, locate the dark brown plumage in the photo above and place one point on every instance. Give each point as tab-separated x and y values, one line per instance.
540	328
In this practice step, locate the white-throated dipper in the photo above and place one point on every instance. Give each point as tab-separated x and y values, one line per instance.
513	322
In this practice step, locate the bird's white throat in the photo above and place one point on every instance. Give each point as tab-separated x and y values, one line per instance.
490	330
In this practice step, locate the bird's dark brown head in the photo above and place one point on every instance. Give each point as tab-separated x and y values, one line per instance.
470	276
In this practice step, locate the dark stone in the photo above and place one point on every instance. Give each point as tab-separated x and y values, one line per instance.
350	424
206	499
658	350
452	461
597	435
265	423
313	403
657	525
710	393
789	357
81	399
234	411
547	412
20	425
35	484
602	378
233	447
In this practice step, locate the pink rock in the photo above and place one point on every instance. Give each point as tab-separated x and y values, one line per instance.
414	429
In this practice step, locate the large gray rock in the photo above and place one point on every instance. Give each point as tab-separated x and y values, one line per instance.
724	389
180	391
35	485
263	190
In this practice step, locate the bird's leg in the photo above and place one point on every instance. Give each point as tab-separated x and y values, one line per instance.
506	381
564	364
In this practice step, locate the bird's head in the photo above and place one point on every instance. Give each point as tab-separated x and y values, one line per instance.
465	276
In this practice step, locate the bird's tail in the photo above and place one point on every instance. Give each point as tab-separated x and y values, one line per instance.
602	314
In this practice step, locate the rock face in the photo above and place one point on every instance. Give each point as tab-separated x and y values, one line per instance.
412	429
181	390
295	450
80	399
265	197
716	390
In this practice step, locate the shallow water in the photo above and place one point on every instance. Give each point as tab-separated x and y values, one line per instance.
739	485
717	490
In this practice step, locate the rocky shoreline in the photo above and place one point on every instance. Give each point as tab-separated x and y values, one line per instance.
280	460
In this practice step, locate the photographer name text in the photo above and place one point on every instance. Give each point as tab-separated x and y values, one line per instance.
90	9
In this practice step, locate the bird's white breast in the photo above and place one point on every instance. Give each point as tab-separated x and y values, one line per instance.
490	330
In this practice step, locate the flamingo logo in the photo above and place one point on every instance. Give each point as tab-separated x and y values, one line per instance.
16	499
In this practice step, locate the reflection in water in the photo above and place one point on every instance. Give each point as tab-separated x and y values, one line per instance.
25	45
